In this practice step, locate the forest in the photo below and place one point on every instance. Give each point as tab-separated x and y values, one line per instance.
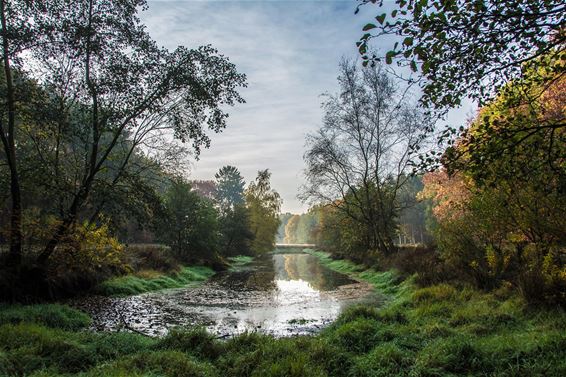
444	245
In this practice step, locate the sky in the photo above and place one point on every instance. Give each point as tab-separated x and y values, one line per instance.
290	52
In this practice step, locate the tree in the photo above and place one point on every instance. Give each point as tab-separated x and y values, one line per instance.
205	188
413	219
467	48
291	229
237	236
229	188
499	207
191	228
16	34
234	215
263	204
115	92
300	228
283	218
520	134
359	159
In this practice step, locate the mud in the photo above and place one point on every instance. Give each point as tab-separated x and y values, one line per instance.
280	294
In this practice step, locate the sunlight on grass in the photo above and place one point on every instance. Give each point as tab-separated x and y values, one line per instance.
146	281
439	330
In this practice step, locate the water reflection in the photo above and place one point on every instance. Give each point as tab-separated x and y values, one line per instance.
281	294
307	267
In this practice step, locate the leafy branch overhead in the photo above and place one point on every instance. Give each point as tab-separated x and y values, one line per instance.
113	96
459	48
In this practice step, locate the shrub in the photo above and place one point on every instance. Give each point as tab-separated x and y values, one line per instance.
150	257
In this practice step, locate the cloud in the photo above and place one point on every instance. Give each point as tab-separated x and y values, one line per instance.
289	51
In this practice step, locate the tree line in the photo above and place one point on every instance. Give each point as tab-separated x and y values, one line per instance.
490	193
96	123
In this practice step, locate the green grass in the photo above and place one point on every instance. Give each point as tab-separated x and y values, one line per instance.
239	262
135	284
439	330
48	315
387	282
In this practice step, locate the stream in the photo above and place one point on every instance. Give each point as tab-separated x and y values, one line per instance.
277	294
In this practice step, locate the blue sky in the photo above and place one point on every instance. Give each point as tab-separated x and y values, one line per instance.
289	51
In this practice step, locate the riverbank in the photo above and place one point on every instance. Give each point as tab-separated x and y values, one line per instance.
151	280
389	283
440	330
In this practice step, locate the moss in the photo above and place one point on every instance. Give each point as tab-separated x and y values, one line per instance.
136	284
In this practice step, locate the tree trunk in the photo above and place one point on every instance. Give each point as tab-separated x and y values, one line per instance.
15	255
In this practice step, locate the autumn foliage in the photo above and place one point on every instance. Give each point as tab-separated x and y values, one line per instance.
499	203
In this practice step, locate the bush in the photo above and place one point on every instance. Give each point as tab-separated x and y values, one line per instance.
150	257
423	261
87	255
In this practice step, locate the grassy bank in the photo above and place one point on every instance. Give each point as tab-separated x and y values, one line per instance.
387	282
239	262
440	330
150	280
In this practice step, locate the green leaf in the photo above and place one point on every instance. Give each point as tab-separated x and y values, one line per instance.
408	41
389	57
414	66
369	27
381	18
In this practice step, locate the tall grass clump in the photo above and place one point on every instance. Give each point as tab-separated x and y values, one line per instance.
156	363
49	315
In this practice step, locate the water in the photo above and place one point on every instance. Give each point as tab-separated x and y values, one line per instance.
280	294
